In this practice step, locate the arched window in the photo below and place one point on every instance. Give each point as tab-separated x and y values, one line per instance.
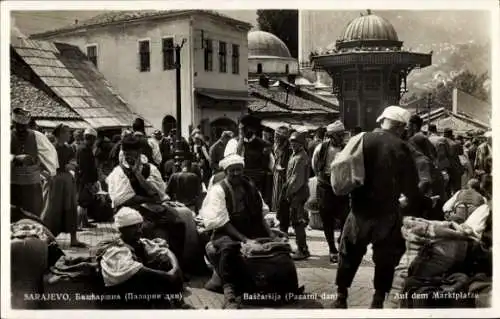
287	69
168	124
259	68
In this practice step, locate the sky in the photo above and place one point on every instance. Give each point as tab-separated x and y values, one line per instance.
29	22
420	30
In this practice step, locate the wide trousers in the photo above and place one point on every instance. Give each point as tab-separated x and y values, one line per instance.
384	233
332	209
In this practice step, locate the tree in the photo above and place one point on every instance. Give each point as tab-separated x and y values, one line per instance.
467	82
284	24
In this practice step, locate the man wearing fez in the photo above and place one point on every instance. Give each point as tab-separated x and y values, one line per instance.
256	152
33	162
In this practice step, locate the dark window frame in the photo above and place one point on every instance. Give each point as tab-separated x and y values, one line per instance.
92	58
222	57
168	53
144	56
259	68
208	55
235	59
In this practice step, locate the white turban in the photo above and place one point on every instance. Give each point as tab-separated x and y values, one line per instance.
230	160
395	113
90	131
127	217
335	127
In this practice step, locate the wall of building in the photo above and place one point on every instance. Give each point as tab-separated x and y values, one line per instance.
270	65
216	30
151	94
210	28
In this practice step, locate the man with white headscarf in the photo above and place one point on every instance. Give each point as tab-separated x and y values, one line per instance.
33	163
375	215
137	184
234	211
133	264
332	208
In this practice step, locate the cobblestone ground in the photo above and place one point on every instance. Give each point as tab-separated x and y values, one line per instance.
317	274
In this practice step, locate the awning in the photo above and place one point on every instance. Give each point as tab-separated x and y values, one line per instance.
274	124
218	94
54	123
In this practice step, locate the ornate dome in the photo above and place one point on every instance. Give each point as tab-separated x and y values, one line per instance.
369	27
262	43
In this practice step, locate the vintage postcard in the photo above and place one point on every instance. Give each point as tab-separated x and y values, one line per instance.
312	159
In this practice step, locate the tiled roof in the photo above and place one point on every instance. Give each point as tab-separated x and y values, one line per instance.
26	95
459	123
67	72
110	17
292	101
261	105
473	107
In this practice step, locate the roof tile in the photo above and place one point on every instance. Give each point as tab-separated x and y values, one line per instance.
68	73
294	102
26	95
129	15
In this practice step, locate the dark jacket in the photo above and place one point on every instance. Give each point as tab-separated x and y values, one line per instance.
389	172
216	153
87	166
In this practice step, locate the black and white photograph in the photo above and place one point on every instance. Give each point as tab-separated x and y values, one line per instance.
300	160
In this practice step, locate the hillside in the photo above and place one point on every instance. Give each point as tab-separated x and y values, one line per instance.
460	40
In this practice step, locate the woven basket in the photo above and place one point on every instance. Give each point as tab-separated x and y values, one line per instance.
315	220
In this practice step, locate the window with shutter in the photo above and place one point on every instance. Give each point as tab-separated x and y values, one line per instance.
92	54
209	55
236	59
222	57
168	53
144	56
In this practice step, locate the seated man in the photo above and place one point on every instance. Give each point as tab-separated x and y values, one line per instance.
137	184
186	187
234	212
464	202
131	264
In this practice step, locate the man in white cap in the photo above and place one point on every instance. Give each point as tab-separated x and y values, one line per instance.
234	211
33	162
133	264
87	175
138	184
332	208
375	215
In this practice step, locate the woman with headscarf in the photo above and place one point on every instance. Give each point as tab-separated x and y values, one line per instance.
61	215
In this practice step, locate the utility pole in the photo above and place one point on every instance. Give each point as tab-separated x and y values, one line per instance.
429	106
179	153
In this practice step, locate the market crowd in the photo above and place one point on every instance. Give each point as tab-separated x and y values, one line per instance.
188	206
